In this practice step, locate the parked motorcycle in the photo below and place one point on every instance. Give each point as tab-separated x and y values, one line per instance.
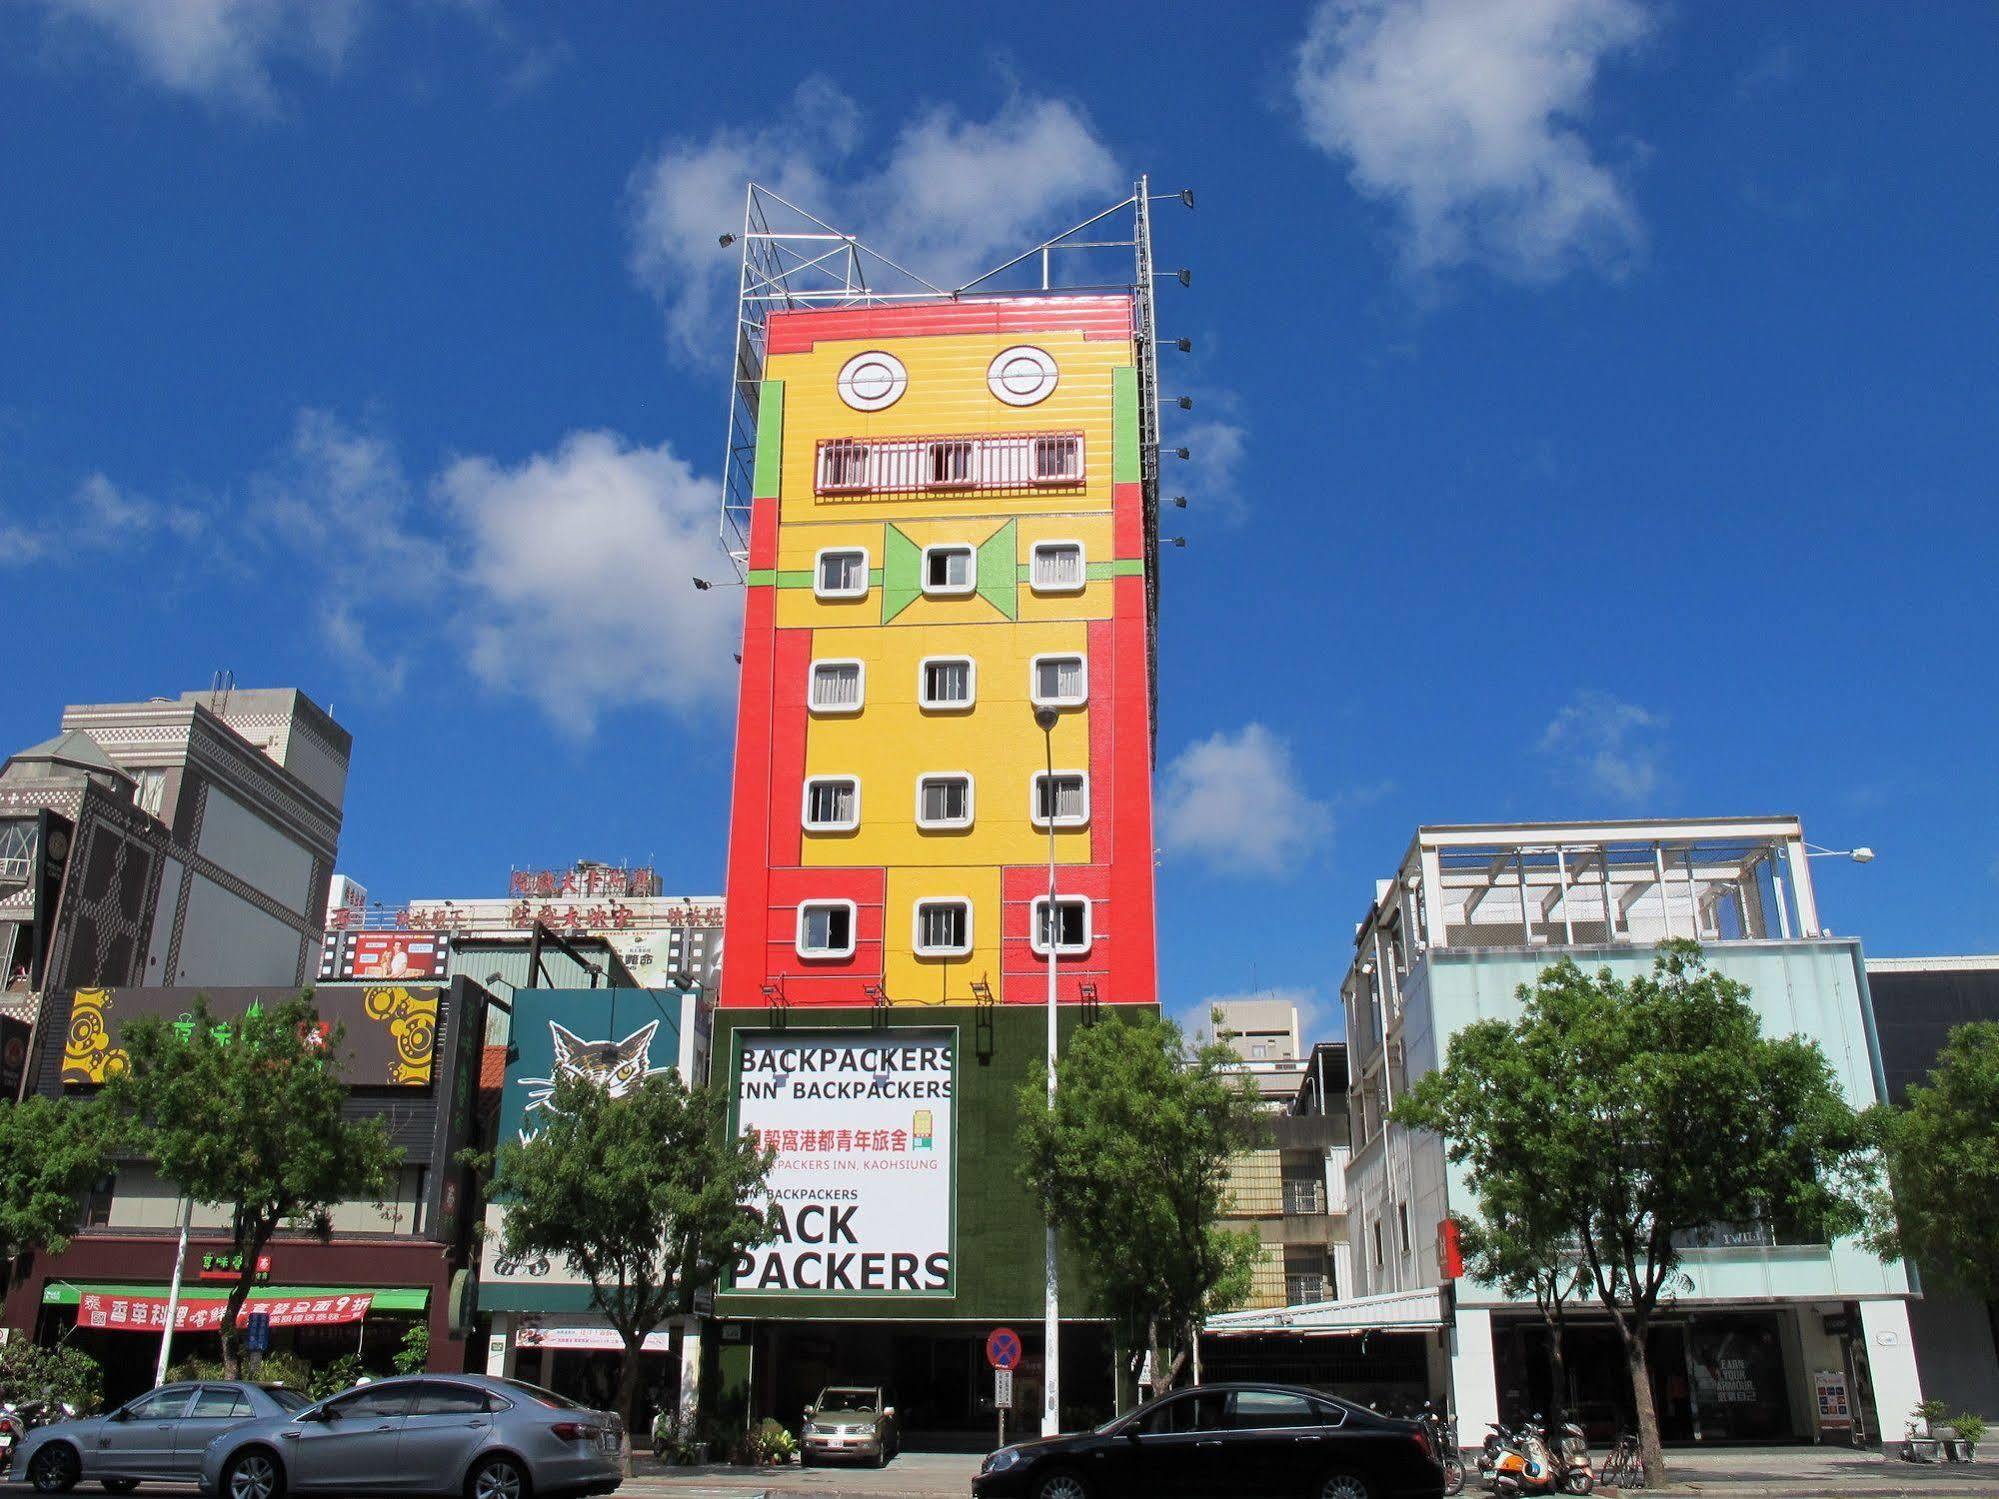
1443	1434
1523	1461
12	1429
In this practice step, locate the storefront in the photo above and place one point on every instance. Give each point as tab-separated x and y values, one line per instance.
542	1326
1719	1374
905	1233
410	1059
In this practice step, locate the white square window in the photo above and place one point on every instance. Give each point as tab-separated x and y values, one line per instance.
1072	924
947	682
840	573
1058	460
826	929
1057	567
943	928
948	571
832	804
838	686
944	800
1061	681
1064	796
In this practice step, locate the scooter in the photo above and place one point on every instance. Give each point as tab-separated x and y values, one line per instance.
1523	1463
12	1429
1572	1465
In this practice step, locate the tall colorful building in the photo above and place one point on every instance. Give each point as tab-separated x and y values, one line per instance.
948	531
944	505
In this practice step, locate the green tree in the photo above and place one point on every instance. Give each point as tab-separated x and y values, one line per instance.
1942	1155
1529	1255
51	1150
1639	1114
644	1195
245	1115
1133	1164
61	1376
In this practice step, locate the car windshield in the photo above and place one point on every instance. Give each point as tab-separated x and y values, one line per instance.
849	1400
288	1400
545	1397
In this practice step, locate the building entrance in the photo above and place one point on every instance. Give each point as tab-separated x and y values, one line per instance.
941	1383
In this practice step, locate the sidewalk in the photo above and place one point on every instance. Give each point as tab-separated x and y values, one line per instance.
1736	1473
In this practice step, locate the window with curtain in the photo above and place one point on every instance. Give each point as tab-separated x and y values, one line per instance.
832	803
843	573
1058	566
836	684
944	801
1060	681
943	926
1063	797
947	682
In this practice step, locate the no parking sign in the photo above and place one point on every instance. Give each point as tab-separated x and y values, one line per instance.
1003	1348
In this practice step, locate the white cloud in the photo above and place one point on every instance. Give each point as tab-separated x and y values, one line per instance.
564	576
1465	115
951	197
221	49
1212	475
1612	748
99	516
578	566
1235	802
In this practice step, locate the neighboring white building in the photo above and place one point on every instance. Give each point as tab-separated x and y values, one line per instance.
1770	1331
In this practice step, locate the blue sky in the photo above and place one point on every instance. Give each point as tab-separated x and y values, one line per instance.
1595	408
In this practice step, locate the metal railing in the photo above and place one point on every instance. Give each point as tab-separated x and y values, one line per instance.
965	462
1301	1290
1302	1197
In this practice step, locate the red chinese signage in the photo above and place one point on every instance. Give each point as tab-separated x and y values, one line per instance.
585	879
225	1265
149	1313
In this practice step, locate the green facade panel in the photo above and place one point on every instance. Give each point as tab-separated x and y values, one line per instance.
770	441
1125	467
998	1251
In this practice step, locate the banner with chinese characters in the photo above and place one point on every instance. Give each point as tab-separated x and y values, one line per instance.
149	1313
863	1197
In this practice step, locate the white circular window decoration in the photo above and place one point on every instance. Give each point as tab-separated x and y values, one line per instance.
871	381
1021	376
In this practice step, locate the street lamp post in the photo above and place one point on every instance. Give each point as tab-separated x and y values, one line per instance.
1051	1325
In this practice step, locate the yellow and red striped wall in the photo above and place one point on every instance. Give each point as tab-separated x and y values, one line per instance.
887	863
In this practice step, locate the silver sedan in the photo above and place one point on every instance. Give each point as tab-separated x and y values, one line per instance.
160	1436
465	1434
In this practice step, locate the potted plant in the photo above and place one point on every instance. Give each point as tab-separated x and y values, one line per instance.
1920	1443
1933	1413
1970	1429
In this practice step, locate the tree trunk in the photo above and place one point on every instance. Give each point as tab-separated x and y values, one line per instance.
1638	1360
232	1336
1558	1371
628	1391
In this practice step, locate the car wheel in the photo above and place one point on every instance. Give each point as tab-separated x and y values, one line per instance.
499	1478
1062	1486
55	1469
253	1475
1345	1486
119	1485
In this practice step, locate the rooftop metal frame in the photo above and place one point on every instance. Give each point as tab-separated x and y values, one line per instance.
793	260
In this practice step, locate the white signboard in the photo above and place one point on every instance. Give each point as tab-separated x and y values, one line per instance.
535	1333
864	1192
1003	1389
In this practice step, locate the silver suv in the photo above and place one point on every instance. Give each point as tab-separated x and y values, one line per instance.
464	1434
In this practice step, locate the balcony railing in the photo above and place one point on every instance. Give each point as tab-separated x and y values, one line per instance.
1304	1196
960	463
1300	1290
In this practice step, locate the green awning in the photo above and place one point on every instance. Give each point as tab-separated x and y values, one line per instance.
387	1298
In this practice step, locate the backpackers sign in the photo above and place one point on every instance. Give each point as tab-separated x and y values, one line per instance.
863	1196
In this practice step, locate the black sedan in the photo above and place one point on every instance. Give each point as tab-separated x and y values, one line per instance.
1225	1441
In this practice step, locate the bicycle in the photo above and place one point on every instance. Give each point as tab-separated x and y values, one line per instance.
1624	1467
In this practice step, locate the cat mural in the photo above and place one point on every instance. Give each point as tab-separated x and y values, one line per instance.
615	1066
